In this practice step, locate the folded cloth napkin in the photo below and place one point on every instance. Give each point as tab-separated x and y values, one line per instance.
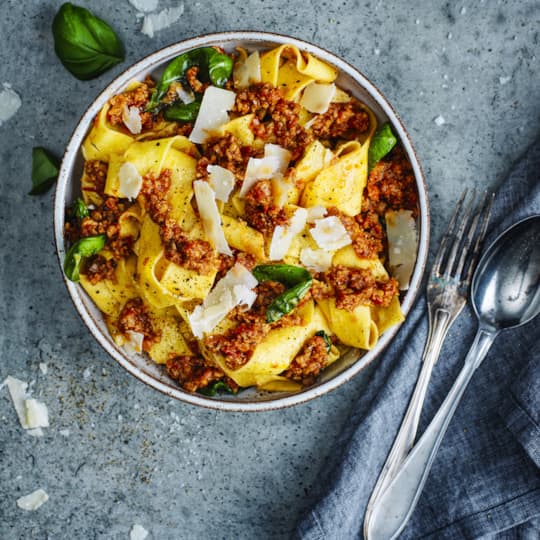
485	482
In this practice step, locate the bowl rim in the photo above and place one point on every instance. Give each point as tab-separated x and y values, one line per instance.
160	57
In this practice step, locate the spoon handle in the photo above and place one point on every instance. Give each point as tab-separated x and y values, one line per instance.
395	505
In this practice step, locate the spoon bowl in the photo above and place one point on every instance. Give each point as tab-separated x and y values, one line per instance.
505	290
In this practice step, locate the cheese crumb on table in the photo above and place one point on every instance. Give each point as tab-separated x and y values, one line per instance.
33	500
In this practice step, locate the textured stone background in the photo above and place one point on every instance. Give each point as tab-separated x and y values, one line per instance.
132	455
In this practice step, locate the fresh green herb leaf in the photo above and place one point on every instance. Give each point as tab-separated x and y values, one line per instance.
79	209
213	66
183	112
86	45
298	280
218	387
287	301
44	170
326	338
85	247
383	141
287	274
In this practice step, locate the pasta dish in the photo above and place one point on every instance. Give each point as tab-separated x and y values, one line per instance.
243	220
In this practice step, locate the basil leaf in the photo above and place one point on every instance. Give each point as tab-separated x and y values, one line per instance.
287	274
298	280
85	247
326	338
44	170
183	112
86	45
213	66
80	210
383	141
287	301
217	387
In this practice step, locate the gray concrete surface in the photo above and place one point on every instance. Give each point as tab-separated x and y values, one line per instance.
119	453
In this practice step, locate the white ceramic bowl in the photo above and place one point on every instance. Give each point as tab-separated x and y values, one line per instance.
68	187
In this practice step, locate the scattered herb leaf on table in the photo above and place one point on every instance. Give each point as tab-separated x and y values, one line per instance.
44	170
85	44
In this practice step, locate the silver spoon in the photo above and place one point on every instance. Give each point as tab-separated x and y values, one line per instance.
505	294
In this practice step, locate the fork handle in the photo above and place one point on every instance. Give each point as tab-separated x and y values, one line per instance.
439	324
395	505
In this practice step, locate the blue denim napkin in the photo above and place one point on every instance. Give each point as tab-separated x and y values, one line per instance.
485	482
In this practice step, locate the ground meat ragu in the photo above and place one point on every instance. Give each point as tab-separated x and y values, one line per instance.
96	175
134	317
391	185
192	77
226	262
309	362
138	97
197	255
260	211
104	220
227	152
353	287
340	121
153	195
98	268
194	373
276	118
238	344
365	230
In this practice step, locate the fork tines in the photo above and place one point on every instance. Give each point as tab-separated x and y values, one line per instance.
460	247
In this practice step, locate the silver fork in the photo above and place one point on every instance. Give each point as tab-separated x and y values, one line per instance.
447	289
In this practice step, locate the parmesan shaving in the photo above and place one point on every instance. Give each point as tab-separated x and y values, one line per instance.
318	260
284	235
274	163
144	5
402	245
185	96
206	202
17	391
37	415
330	234
317	97
213	112
10	102
132	119
135	342
280	191
248	71
130	181
154	22
316	212
234	289
222	181
33	500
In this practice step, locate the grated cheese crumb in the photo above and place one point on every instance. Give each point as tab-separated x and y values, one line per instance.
138	532
439	120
